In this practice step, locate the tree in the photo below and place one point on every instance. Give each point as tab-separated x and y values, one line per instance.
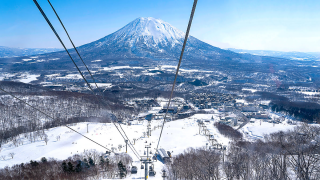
102	161
34	163
70	167
86	164
46	139
12	154
64	166
79	166
91	163
122	170
44	159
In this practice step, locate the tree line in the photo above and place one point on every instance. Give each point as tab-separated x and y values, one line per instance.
90	164
18	119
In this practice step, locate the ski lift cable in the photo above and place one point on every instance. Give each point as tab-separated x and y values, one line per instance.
181	55
73	45
85	64
55	32
130	144
51	26
134	151
51	117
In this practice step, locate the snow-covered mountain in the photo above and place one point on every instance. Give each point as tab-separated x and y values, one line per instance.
148	38
149	41
152	31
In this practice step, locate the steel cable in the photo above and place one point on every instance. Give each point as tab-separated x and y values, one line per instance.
181	55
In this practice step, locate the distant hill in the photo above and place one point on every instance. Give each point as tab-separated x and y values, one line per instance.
6	52
302	56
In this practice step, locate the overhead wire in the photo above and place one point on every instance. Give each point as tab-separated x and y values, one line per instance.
55	32
178	66
73	44
51	26
51	117
86	67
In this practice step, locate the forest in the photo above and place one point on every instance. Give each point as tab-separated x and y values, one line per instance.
58	108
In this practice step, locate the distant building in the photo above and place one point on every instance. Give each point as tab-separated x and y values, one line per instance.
170	110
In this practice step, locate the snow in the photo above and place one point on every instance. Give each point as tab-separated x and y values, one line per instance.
96	60
53	59
257	131
159	30
52	75
26	59
177	136
120	67
148	31
247	89
71	76
27	78
241	101
310	93
106	85
168	66
6	75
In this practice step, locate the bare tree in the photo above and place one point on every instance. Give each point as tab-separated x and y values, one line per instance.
12	154
46	139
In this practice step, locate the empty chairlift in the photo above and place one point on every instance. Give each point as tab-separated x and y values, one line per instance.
134	170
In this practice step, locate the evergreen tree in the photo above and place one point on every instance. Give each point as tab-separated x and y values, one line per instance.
64	166
102	161
44	159
34	163
79	166
70	167
91	163
122	170
86	164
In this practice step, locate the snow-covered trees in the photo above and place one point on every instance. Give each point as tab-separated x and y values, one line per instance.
76	167
286	155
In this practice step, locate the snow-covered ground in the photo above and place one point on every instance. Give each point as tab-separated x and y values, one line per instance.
27	78
256	130
177	136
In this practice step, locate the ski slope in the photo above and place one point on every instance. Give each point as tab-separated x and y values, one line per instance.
177	136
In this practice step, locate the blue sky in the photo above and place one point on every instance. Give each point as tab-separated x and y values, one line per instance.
284	25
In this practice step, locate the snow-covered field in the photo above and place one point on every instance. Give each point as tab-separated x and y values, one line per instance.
177	136
27	78
256	130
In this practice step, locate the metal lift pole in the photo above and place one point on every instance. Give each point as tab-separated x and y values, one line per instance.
126	145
